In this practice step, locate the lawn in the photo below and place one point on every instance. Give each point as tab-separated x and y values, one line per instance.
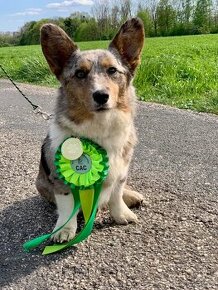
178	71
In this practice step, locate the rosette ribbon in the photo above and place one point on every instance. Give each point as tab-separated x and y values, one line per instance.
85	177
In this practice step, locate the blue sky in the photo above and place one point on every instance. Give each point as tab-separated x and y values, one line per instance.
13	14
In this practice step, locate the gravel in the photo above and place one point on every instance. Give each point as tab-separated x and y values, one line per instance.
175	244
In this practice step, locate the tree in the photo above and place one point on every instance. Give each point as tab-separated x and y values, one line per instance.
8	38
187	11
125	10
215	17
184	17
115	16
87	31
25	33
166	17
101	12
71	25
152	7
145	16
202	16
160	18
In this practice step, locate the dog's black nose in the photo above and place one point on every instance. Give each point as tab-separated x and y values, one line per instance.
100	97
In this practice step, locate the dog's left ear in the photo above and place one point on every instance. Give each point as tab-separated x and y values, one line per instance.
129	42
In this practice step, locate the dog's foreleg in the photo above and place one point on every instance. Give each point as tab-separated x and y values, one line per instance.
65	205
118	209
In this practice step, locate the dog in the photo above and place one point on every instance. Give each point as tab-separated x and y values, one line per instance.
97	101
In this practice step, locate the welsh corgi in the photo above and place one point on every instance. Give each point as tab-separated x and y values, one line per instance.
97	101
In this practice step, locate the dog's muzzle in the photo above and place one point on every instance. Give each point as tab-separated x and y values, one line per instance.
100	98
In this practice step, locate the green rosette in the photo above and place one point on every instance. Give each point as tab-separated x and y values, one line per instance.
96	166
85	177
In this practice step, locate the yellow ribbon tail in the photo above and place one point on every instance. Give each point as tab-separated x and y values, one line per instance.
86	199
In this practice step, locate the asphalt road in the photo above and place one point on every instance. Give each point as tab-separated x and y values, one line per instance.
175	166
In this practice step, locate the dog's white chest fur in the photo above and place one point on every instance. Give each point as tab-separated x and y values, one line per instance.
110	130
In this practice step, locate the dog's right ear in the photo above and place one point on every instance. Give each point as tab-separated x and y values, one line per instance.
56	46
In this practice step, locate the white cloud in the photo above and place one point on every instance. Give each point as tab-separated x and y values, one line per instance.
68	3
30	11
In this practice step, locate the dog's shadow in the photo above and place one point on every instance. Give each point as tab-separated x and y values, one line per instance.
25	220
20	222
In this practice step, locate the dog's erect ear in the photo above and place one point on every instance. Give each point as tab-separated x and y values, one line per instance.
129	42
56	46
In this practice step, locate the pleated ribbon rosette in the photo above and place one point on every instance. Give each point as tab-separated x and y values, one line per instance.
84	175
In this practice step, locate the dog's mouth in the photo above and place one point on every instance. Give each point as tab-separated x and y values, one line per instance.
101	108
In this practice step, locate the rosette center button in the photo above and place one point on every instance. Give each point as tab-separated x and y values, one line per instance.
72	149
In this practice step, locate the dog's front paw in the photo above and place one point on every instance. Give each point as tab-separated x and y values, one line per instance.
123	215
67	233
64	235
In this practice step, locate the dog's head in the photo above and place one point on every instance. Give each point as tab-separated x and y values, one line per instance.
97	80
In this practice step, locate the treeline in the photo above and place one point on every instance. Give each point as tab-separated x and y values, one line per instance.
160	18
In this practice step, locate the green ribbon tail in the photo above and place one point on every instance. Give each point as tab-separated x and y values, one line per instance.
86	200
29	245
86	230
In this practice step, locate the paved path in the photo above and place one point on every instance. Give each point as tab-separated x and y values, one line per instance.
174	247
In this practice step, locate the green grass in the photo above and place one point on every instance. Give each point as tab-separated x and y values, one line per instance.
181	72
177	71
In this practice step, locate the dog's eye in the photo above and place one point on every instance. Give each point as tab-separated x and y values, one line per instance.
111	70
80	74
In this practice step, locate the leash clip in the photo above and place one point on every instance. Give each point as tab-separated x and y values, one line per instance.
45	116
